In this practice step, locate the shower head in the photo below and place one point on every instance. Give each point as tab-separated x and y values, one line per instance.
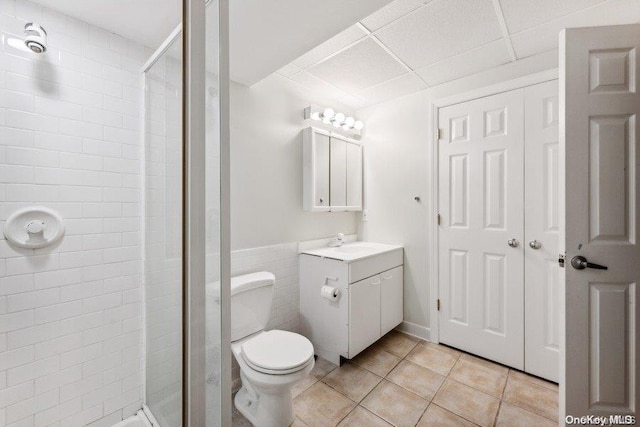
35	37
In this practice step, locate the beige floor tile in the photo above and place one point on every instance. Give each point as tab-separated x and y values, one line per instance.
485	363
431	357
397	343
436	416
532	396
303	385
478	374
422	381
452	351
321	406
376	360
510	416
535	380
395	404
467	402
360	417
322	368
298	423
352	381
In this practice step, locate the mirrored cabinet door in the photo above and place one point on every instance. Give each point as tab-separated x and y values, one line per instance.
354	177
338	173
322	151
316	147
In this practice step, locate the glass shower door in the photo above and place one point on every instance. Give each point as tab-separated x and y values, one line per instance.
187	222
163	235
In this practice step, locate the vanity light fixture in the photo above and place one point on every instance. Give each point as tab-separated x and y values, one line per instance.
338	120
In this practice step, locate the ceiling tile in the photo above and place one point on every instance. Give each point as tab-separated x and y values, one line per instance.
331	46
523	14
317	86
545	37
400	86
390	13
441	29
470	62
289	70
361	66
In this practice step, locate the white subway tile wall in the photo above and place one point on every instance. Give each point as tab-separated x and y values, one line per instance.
71	315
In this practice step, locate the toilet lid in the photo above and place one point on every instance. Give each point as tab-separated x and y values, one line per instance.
277	351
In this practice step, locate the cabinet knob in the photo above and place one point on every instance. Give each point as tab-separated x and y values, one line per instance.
321	200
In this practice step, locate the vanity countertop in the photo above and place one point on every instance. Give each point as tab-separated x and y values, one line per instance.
350	252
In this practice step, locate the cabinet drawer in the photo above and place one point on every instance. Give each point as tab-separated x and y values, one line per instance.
369	266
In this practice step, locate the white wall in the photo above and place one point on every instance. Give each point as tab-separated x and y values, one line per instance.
266	167
398	163
71	314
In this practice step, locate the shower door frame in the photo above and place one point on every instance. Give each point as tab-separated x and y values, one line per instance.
194	214
193	30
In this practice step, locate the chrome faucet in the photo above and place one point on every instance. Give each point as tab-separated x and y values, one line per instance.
337	241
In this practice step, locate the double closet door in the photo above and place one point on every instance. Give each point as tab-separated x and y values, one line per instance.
499	284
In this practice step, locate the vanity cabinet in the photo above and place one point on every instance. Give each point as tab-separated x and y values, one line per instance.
332	172
370	302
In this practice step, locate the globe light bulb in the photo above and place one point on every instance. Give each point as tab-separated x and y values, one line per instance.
315	116
328	113
349	121
358	125
339	118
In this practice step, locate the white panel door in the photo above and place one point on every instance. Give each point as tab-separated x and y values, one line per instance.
321	170
364	314
542	224
481	206
599	134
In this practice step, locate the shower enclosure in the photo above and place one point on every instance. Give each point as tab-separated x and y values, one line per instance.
184	301
122	151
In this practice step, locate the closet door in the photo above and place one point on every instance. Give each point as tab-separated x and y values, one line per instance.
541	249
481	185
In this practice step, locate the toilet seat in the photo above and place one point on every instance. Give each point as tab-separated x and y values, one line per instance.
277	352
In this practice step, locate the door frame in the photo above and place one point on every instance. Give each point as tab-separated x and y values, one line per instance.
434	259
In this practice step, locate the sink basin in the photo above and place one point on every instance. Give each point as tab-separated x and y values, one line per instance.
352	251
348	249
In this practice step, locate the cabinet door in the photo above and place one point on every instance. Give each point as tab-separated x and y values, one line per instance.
338	172
391	299
364	314
354	177
321	170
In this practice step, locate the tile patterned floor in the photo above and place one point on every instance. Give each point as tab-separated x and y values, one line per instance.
402	381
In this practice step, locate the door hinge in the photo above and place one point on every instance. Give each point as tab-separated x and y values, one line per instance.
561	259
438	218
438	304
438	134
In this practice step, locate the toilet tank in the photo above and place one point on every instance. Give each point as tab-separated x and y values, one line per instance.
251	298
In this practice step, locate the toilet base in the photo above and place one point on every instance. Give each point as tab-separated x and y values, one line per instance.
265	410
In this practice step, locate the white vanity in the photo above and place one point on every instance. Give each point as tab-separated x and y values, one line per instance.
369	280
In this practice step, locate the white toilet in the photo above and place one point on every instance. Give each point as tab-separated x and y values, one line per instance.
271	362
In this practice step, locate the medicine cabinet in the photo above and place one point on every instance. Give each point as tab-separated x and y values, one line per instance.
332	172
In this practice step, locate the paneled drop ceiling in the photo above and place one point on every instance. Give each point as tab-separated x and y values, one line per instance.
410	45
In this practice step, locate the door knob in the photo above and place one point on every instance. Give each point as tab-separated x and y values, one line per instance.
580	263
534	244
513	243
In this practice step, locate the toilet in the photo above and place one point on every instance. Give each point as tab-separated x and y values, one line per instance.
271	362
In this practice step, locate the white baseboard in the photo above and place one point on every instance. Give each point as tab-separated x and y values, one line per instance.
417	331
